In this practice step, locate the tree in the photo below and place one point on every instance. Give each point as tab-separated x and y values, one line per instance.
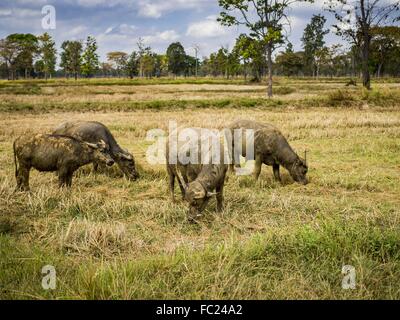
145	59
90	58
290	63
191	66
132	65
119	61
332	61
106	69
385	42
265	19
251	52
9	52
47	53
176	58
148	64
222	61
71	57
313	40
355	21
28	45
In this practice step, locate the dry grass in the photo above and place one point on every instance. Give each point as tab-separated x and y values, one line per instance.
112	239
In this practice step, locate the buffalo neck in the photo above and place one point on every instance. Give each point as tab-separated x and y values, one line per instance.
209	176
287	157
86	155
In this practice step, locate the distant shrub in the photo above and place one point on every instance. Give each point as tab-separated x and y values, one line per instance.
21	90
351	82
283	90
340	97
381	97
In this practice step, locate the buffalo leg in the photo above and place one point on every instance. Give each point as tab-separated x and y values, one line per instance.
182	189
23	178
63	177
95	166
185	181
69	179
275	169
257	167
220	197
171	178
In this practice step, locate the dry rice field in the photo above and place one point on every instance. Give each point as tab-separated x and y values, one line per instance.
109	238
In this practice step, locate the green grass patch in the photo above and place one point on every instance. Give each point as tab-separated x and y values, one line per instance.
271	265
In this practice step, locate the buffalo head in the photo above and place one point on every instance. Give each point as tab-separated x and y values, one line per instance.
299	171
126	163
101	152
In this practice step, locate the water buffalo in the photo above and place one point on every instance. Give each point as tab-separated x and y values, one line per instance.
93	132
59	153
271	148
198	181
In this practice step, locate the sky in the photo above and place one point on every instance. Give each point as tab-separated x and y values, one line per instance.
118	24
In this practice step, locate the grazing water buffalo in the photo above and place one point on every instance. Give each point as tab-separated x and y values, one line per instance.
198	181
93	132
272	148
55	153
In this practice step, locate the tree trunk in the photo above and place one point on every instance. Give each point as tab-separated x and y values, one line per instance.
8	71
379	69
314	68
269	63
365	68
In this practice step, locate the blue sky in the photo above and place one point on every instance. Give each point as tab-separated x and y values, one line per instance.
118	24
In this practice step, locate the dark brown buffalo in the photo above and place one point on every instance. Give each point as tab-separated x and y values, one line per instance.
271	148
49	153
93	132
198	182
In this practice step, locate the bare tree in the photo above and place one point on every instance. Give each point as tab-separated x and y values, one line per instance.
196	49
356	18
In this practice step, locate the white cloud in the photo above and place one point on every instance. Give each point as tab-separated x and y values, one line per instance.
103	3
5	12
78	32
124	29
150	10
91	3
296	23
161	37
157	8
27	13
208	28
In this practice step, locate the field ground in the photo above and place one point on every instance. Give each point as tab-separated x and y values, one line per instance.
109	238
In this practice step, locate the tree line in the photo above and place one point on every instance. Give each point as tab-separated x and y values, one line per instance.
368	26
